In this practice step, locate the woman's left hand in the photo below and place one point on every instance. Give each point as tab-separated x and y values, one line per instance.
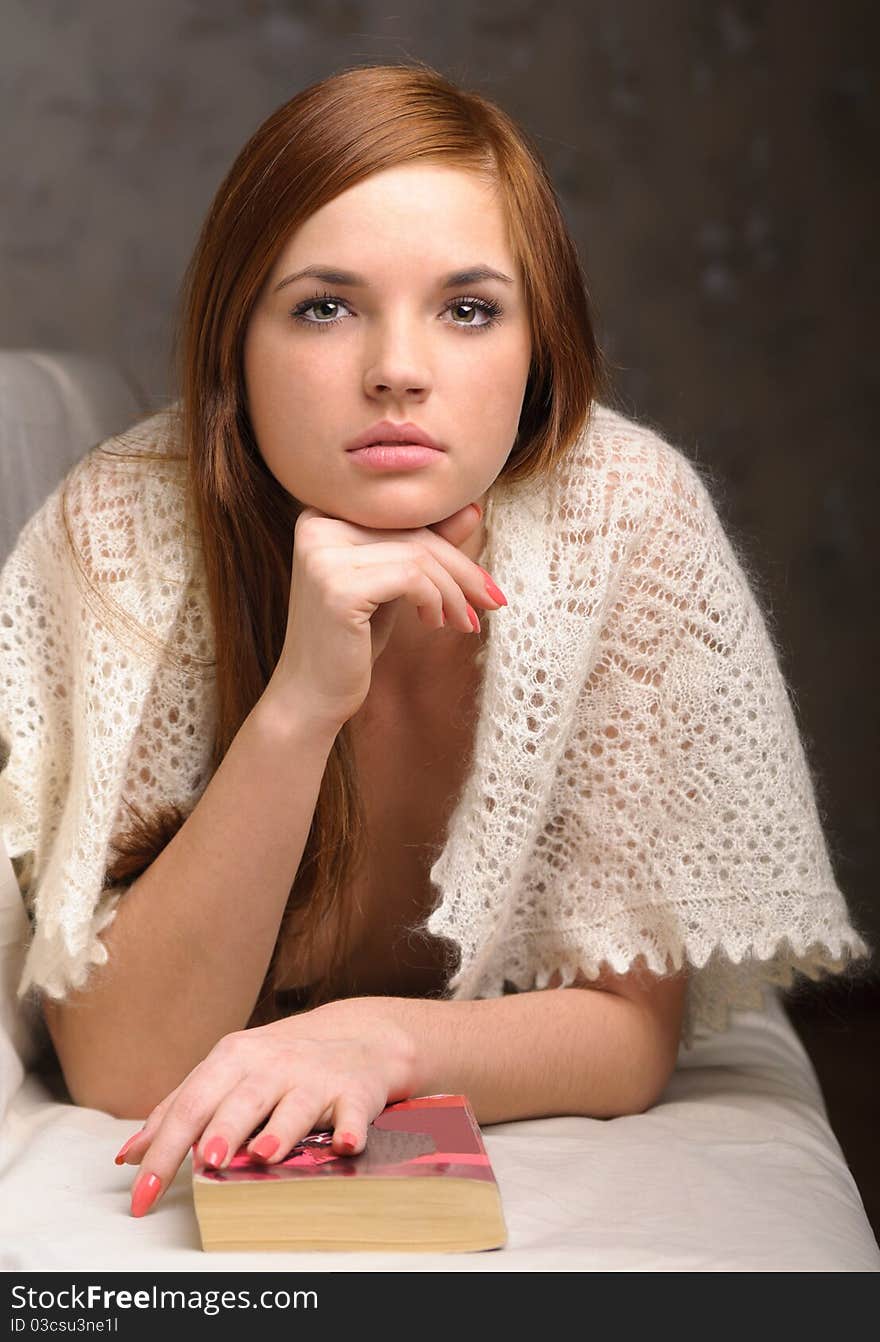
336	1066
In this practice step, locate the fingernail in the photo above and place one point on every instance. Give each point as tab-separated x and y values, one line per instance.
478	509
144	1194
215	1151
265	1146
119	1158
494	591
474	618
348	1141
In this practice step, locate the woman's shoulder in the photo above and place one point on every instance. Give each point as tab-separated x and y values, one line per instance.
638	457
116	541
621	475
620	484
125	506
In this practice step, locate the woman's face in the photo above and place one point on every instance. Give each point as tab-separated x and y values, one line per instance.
325	360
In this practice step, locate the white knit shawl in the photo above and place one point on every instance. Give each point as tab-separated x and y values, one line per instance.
638	794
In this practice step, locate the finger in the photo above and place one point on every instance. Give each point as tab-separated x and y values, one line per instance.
131	1150
351	1119
458	526
237	1116
296	1114
473	581
430	585
184	1120
455	528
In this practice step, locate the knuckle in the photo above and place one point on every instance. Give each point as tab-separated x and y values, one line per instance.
154	1122
353	1085
304	520
154	1117
253	1092
321	569
292	1105
229	1045
189	1107
306	559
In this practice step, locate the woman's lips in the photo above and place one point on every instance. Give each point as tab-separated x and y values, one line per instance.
395	456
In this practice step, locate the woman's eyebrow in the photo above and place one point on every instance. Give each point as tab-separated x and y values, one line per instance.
472	275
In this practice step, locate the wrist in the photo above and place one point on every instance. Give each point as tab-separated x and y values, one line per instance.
278	718
388	1023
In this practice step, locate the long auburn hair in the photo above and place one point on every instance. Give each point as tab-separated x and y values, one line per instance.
324	140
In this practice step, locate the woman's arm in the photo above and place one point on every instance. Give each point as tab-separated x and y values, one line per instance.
602	1048
192	939
575	1051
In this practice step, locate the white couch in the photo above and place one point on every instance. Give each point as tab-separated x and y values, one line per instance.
736	1169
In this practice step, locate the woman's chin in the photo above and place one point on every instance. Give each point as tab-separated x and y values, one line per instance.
388	521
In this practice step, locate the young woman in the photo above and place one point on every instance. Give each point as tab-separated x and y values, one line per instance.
295	673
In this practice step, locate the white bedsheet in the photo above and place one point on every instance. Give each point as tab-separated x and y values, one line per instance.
736	1169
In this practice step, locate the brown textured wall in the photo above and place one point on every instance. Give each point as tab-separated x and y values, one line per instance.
715	165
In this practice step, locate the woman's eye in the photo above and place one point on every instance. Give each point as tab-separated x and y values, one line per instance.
491	311
302	308
473	306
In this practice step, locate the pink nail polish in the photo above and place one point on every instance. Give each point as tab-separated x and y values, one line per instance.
215	1151
119	1158
265	1146
474	618
494	591
348	1140
144	1194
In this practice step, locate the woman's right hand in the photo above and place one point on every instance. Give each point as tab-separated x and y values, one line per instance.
347	583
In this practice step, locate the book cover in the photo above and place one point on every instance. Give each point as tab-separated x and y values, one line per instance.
422	1182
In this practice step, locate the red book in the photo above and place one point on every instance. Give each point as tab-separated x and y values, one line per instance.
422	1183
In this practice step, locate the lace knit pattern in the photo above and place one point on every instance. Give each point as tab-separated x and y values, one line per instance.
640	757
639	793
106	657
